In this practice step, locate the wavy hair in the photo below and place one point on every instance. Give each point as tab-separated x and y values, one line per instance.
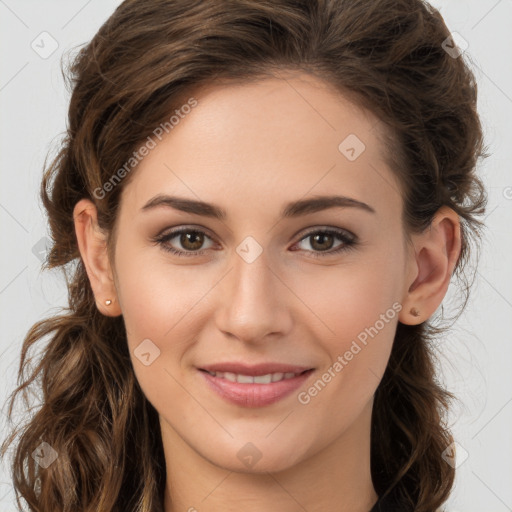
388	57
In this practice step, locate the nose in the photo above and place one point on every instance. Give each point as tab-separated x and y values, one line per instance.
253	301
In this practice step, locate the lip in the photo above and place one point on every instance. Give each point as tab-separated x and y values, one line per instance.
255	395
257	369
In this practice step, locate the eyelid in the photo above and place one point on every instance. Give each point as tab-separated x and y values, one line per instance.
328	229
167	234
350	242
176	230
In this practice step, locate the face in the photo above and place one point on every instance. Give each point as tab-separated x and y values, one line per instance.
316	289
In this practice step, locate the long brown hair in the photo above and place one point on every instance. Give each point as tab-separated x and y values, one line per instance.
388	56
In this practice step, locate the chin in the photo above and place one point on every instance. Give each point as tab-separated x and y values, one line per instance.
252	460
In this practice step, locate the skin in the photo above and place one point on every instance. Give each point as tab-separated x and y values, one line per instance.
250	149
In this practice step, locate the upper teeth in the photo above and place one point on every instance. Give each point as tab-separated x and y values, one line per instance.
249	379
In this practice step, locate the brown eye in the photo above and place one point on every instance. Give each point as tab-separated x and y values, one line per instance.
322	242
191	240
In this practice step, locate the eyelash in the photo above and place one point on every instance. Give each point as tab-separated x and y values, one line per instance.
349	241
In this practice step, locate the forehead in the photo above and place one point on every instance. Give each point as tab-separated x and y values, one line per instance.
270	140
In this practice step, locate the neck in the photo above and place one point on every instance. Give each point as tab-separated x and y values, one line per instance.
336	479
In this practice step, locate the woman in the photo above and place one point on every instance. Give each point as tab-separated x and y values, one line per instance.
215	355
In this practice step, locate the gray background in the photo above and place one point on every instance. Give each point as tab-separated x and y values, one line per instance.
477	358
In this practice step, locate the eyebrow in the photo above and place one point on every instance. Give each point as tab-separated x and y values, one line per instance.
292	209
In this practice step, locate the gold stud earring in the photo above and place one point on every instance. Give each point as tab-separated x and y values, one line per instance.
414	312
108	302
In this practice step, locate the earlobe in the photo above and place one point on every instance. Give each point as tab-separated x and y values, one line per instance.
436	252
93	250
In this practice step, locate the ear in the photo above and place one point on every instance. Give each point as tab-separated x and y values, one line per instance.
436	251
92	244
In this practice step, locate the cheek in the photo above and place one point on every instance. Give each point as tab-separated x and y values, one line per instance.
359	314
354	313
348	299
157	298
160	304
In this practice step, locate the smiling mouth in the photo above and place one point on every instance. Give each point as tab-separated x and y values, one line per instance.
255	390
267	378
